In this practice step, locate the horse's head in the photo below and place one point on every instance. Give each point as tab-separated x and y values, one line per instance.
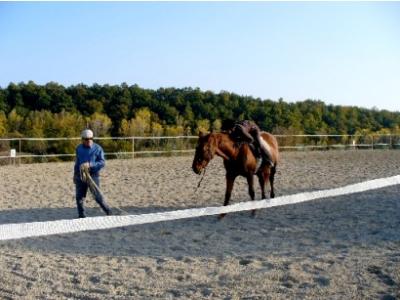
205	151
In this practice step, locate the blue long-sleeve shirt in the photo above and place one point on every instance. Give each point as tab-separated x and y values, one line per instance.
94	155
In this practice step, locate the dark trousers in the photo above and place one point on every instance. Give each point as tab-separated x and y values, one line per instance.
81	192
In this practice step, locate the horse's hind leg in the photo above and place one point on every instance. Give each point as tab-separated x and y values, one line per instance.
229	186
271	181
250	182
261	180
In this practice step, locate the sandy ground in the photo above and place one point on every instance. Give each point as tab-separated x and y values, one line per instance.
345	247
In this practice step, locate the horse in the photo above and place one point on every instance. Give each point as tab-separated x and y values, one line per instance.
239	160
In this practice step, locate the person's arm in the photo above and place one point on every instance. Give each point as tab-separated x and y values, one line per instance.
99	161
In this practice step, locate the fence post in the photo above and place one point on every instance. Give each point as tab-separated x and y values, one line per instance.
133	147
20	150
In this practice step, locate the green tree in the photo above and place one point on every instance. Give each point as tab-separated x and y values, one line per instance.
138	126
100	124
15	123
3	124
157	129
203	125
216	125
14	97
3	101
60	100
184	107
173	130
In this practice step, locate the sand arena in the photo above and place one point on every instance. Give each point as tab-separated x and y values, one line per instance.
342	247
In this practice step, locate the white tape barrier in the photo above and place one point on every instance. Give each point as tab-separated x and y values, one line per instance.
24	230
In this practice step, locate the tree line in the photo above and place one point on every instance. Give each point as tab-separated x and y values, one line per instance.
52	110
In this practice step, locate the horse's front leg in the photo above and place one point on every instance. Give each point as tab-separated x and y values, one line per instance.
250	182
229	186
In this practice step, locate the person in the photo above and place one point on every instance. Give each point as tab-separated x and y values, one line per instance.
249	132
89	157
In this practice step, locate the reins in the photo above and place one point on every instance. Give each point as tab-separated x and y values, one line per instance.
202	177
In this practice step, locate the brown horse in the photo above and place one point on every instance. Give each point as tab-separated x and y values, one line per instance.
239	160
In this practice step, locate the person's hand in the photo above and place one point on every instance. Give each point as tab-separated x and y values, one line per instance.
85	165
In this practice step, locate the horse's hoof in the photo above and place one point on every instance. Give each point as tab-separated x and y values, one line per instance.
253	213
221	216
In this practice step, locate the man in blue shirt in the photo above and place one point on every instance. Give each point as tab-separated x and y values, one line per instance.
91	156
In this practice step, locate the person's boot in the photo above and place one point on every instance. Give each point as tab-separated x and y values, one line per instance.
81	209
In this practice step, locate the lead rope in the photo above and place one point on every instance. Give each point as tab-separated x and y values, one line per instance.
207	236
198	185
94	188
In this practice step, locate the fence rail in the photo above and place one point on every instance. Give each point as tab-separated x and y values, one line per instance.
26	149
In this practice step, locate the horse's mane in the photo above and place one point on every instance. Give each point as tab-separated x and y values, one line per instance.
228	136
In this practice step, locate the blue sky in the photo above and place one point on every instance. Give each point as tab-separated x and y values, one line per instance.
344	53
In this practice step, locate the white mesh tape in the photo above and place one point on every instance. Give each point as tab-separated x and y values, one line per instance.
24	230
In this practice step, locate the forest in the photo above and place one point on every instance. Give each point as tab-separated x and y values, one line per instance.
52	110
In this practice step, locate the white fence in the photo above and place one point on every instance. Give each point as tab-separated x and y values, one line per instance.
132	140
45	149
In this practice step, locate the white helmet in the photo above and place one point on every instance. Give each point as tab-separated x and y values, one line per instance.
87	134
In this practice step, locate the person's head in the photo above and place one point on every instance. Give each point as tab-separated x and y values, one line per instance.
87	137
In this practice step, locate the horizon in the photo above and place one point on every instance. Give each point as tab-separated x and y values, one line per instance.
339	53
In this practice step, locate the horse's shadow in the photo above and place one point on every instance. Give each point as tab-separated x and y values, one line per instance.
311	229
